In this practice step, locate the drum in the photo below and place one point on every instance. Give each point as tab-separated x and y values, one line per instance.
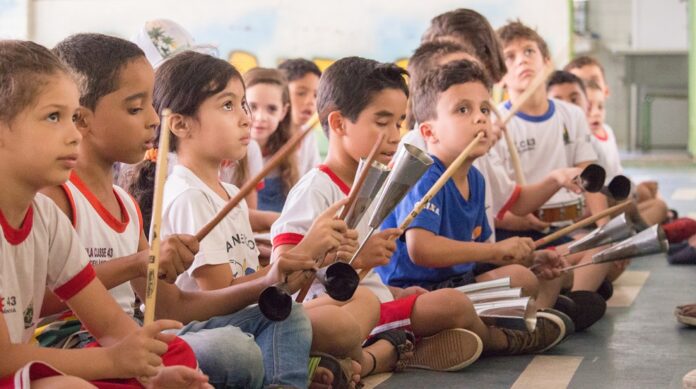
561	214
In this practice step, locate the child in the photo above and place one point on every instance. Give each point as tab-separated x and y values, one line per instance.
303	77
269	100
38	104
358	99
106	217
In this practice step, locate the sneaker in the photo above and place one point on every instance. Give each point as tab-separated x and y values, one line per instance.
689	381
567	321
448	350
590	307
550	330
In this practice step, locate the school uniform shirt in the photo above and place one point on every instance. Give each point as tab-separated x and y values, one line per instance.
308	154
313	194
490	168
448	215
104	235
559	138
188	204
44	252
607	153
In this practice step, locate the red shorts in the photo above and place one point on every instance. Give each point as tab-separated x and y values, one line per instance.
179	353
395	314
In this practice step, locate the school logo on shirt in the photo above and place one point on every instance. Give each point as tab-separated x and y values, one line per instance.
99	255
240	239
8	304
29	316
476	233
432	208
566	136
526	145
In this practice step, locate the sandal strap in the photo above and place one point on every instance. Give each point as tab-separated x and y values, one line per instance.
374	363
402	340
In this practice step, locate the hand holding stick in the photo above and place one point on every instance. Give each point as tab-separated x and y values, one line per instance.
154	256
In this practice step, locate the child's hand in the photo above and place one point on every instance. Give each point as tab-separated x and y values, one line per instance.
178	377
378	249
176	255
138	354
325	234
348	246
514	250
286	264
548	264
565	178
533	223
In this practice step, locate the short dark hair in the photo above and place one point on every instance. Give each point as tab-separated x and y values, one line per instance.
24	70
436	81
96	61
426	57
349	84
517	30
296	68
473	28
582	61
563	77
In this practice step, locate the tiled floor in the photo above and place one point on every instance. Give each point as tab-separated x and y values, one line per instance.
638	344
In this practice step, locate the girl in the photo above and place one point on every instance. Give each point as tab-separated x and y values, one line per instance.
269	99
39	249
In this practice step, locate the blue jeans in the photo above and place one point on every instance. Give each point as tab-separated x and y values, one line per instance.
272	197
246	350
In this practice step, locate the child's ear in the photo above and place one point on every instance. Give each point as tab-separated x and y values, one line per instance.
428	133
178	125
83	123
337	123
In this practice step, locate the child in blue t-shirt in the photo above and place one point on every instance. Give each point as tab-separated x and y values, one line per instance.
446	241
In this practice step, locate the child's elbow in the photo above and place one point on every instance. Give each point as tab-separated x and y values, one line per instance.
419	256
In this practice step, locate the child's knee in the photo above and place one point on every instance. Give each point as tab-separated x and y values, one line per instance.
369	303
334	331
522	277
456	308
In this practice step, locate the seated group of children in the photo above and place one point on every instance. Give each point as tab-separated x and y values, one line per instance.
72	115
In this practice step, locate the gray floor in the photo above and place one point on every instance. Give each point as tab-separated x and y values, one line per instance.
640	346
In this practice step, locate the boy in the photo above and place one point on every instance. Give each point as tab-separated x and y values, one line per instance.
38	249
118	123
358	99
303	78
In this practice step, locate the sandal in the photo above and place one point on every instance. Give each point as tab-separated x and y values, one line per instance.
684	319
403	341
342	369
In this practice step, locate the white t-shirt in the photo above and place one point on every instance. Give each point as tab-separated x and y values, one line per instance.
491	174
44	252
608	153
188	205
313	194
308	154
559	138
104	235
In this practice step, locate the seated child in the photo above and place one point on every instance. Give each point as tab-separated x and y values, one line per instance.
39	103
303	77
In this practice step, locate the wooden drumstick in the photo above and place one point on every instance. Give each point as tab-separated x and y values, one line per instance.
153	258
352	196
514	155
582	223
251	184
418	207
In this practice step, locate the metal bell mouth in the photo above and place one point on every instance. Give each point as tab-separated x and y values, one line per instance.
617	229
275	303
592	178
647	242
619	187
341	281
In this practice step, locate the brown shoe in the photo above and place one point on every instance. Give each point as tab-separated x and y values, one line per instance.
550	330
449	350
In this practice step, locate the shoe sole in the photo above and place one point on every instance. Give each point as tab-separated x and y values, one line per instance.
449	350
556	320
686	320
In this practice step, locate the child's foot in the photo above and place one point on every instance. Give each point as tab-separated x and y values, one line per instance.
549	331
334	373
389	350
449	350
686	314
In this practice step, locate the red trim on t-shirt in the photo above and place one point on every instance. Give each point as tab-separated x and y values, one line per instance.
260	185
137	209
511	201
115	224
287	238
71	201
76	284
345	188
15	236
602	138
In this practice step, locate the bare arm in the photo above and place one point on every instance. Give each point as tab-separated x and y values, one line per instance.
262	220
